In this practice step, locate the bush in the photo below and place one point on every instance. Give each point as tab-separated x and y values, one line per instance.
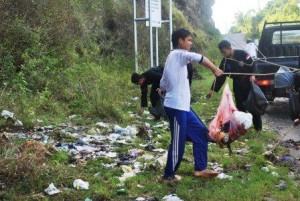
23	163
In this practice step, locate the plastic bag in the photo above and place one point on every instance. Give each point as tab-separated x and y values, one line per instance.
224	113
256	103
284	78
158	110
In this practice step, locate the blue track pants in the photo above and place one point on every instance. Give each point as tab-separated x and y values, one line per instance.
186	126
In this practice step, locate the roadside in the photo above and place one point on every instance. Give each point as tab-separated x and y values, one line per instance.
277	119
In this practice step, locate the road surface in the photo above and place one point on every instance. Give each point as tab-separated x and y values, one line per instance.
277	119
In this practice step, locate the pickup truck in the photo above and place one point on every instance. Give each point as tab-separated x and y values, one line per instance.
279	45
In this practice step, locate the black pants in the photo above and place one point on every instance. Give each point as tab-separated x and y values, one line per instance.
297	82
240	97
154	96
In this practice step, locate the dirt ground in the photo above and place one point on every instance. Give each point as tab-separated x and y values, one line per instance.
277	119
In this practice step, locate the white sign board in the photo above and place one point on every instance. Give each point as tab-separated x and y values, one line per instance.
155	8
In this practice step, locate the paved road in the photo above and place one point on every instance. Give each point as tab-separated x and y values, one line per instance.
277	119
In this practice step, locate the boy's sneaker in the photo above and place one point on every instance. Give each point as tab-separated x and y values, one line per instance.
206	173
296	122
174	179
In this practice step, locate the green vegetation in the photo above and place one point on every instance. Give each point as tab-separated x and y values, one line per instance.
249	181
276	10
72	57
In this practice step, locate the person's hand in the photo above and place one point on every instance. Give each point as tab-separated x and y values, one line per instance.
252	78
141	112
209	95
296	122
159	90
217	72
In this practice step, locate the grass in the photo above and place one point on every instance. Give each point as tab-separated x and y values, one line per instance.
249	181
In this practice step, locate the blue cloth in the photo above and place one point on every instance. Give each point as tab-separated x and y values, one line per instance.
186	126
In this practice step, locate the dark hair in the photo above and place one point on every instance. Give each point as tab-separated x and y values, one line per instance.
179	33
135	77
224	44
249	41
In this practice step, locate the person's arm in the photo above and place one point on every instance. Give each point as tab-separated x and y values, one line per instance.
215	70
218	82
144	103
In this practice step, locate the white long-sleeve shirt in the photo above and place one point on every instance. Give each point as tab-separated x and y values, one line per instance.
175	79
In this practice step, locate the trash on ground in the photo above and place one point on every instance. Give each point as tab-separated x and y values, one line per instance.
80	184
171	197
224	176
51	190
7	115
281	185
274	174
129	130
102	125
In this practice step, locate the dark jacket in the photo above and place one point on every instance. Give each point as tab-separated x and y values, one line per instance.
152	77
232	65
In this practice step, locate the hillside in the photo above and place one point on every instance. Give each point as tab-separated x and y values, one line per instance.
47	46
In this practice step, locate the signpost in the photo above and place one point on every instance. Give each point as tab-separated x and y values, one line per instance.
152	19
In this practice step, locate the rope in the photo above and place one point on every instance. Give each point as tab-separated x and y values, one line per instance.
280	140
255	74
259	74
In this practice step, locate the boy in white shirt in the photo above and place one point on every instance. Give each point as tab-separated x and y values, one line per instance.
184	123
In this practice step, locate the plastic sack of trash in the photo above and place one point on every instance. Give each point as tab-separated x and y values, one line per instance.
224	112
244	119
256	102
284	78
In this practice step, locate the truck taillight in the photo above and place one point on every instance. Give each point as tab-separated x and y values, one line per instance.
263	82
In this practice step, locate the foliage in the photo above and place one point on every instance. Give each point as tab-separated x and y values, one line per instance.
59	58
252	23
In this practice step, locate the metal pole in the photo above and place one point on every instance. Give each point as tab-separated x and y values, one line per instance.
135	37
150	35
170	23
157	60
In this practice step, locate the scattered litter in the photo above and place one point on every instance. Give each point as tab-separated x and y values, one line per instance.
102	125
286	159
160	150
18	123
216	166
129	130
7	115
51	190
135	98
140	186
282	185
224	176
136	152
291	175
146	199
171	197
72	116
266	169
80	184
140	199
163	160
274	174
